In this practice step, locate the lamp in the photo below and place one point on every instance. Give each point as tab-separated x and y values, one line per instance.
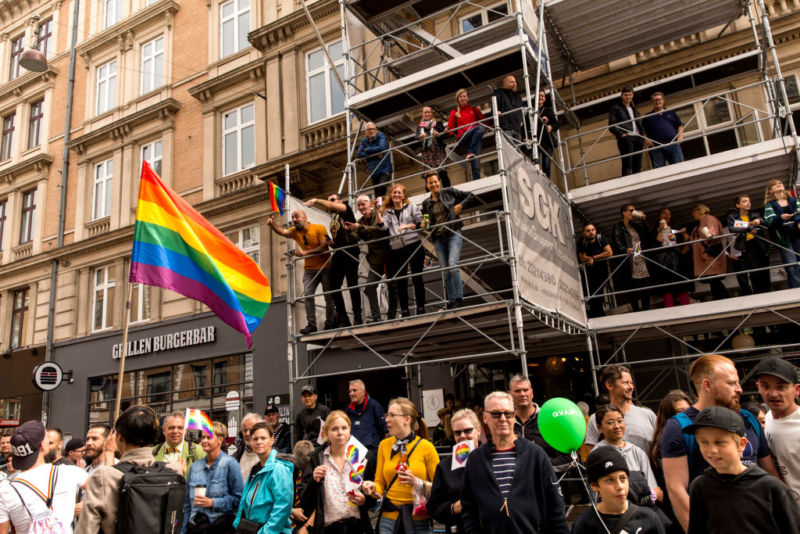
31	58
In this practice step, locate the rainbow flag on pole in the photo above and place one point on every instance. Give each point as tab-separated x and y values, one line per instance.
277	198
174	247
197	420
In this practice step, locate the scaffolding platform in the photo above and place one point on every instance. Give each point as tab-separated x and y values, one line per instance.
713	180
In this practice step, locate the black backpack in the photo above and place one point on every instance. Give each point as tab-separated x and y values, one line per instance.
150	499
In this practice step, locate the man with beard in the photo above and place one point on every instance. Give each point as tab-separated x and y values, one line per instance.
5	449
312	240
95	455
716	383
640	422
55	440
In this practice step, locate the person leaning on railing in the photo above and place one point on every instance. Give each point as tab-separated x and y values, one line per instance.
671	262
592	248
464	120
432	133
708	255
782	215
749	250
630	236
442	208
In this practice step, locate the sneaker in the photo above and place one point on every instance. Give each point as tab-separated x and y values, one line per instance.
470	155
374	319
459	303
421	310
330	324
308	330
358	319
343	321
405	313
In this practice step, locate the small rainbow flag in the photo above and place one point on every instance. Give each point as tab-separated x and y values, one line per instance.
174	247
277	197
197	420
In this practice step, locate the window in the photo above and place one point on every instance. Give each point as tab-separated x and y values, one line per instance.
35	123
140	303
220	377
151	153
234	26
28	211
238	139
483	17
103	182
152	64
3	208
8	136
106	86
19	317
325	95
158	387
103	309
45	36
112	13
16	52
247	240
711	127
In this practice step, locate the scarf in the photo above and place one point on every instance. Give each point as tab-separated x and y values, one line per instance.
400	444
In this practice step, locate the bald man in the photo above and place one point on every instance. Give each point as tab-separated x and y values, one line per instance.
509	104
313	242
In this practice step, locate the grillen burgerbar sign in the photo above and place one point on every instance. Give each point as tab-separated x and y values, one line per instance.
175	340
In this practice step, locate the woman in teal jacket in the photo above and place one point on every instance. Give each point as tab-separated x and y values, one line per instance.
269	490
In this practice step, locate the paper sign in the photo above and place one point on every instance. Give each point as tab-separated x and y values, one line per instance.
637	249
356	455
461	453
741	224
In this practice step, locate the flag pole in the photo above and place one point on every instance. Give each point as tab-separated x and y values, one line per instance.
124	352
183	438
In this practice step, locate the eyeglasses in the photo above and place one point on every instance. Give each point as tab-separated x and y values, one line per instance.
389	415
499	415
466	432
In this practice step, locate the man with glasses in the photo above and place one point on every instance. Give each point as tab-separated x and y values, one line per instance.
345	256
489	501
313	241
664	127
175	448
375	149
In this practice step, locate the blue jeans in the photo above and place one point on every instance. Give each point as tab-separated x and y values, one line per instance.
792	271
545	158
386	526
472	143
448	251
668	154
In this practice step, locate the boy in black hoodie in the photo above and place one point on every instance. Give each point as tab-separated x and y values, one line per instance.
730	497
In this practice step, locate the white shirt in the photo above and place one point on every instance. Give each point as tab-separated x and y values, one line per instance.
70	478
634	125
640	424
783	437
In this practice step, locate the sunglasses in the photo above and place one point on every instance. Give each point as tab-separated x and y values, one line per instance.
466	432
498	415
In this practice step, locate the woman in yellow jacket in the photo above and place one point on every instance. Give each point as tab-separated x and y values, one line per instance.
406	460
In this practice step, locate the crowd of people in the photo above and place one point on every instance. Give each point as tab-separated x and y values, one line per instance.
662	260
701	464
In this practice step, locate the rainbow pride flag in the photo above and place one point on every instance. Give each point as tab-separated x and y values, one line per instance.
197	420
277	197
174	247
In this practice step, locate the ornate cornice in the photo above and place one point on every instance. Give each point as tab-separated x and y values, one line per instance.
37	163
205	91
120	129
282	30
20	83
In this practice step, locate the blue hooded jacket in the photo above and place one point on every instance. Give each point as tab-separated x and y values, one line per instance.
268	496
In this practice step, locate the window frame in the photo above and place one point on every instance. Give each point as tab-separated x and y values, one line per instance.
17	46
27	216
239	242
45	36
35	116
484	13
156	163
237	39
116	13
107	285
7	140
3	219
19	312
140	303
325	70
238	129
150	81
102	209
106	85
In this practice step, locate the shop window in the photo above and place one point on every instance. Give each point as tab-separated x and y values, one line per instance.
11	408
158	387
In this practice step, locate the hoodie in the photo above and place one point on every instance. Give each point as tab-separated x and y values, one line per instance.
752	501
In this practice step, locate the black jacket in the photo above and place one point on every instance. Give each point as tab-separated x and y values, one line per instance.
752	501
741	237
643	521
510	121
446	490
449	197
547	139
620	121
530	431
313	497
535	505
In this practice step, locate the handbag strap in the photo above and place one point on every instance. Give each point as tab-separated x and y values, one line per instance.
622	521
51	487
394	478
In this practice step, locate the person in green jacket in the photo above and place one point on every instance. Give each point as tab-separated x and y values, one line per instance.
267	498
171	450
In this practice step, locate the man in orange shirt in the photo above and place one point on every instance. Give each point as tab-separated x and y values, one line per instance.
313	240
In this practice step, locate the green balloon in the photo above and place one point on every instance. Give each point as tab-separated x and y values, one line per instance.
562	424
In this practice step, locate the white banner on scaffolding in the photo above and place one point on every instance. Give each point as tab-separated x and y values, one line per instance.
547	267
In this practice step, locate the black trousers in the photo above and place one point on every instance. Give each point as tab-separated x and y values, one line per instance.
345	526
396	268
628	144
344	266
753	257
640	300
596	275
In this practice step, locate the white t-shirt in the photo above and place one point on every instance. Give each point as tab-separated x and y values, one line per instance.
640	424
70	478
783	437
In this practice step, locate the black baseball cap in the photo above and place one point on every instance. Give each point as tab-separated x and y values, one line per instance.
717	417
25	444
603	461
308	389
271	409
73	445
777	367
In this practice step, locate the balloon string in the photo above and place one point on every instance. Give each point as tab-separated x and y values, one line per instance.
588	491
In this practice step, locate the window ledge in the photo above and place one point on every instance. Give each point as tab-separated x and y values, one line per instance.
324	131
99	226
204	92
22	251
236	182
18	84
38	162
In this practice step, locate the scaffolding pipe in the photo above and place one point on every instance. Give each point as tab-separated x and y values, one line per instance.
291	353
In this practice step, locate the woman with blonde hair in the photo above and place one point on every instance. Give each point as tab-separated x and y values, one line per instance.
782	215
432	133
465	121
326	501
445	502
708	256
406	464
403	219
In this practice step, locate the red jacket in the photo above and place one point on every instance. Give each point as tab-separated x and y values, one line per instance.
469	115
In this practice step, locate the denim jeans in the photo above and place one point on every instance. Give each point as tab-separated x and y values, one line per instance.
448	251
660	156
792	271
471	141
386	526
545	159
311	279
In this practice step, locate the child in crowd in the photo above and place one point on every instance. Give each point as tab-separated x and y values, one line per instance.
607	472
730	497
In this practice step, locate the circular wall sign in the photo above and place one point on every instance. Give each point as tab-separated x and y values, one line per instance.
47	376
